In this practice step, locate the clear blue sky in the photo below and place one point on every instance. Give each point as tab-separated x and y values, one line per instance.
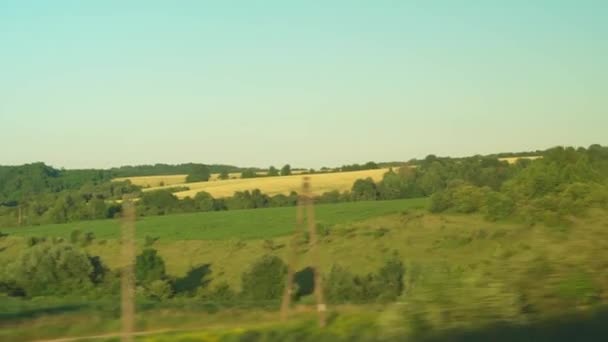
312	83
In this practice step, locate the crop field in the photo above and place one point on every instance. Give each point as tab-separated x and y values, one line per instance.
222	225
320	183
513	160
154	181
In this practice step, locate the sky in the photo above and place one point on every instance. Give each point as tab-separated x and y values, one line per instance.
311	83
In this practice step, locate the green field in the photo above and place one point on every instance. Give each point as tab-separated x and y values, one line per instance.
475	268
234	224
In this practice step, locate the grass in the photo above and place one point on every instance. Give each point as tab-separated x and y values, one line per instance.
233	224
470	261
320	183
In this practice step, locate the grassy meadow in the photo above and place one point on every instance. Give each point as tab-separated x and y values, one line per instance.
465	258
357	235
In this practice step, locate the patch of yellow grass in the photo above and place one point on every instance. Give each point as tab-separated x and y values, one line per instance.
154	181
513	160
320	183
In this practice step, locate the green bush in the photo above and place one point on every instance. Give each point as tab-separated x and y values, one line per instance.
220	292
149	266
53	269
159	290
265	279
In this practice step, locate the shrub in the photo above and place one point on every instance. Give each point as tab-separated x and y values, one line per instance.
339	286
391	276
220	292
149	266
159	290
150	240
53	269
265	279
75	236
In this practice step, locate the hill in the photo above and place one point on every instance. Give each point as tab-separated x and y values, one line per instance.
321	183
479	271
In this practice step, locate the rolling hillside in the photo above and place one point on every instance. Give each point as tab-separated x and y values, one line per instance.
320	183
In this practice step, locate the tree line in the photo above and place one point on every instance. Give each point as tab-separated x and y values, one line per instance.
58	268
563	183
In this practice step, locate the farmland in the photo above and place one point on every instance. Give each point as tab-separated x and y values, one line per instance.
154	181
444	247
321	183
454	243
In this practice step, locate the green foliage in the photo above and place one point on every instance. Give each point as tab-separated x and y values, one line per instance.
166	169
160	202
498	206
281	200
356	167
333	197
248	200
446	298
54	269
272	171
564	183
384	286
364	190
340	286
286	170
220	292
224	175
391	276
265	279
149	241
159	289
198	173
203	201
249	173
149	266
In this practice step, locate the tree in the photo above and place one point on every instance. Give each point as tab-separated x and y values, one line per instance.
340	287
149	266
265	279
159	202
272	171
286	170
224	175
364	190
199	173
204	201
54	269
249	173
370	166
391	276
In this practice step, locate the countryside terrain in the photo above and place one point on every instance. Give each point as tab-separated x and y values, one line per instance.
466	249
322	183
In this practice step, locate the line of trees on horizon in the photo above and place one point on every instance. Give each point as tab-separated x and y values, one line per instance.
562	183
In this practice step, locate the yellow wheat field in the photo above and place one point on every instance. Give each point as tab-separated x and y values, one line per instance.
320	183
154	181
513	160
